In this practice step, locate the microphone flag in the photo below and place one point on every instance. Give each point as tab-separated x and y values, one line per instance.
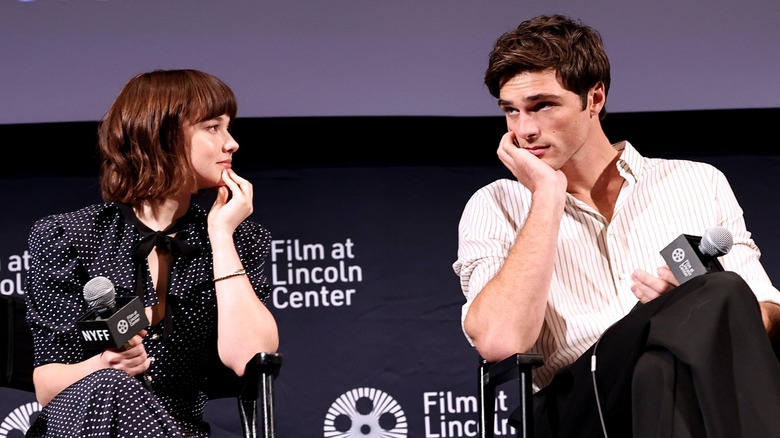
114	331
685	259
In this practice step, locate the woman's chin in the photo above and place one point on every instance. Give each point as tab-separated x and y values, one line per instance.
211	184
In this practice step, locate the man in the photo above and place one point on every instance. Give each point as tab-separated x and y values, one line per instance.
554	262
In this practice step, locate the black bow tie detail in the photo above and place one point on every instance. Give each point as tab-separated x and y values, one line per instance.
159	239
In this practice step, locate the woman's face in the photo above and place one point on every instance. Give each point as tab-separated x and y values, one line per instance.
211	149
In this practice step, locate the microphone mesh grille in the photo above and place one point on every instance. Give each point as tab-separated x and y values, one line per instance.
716	241
99	292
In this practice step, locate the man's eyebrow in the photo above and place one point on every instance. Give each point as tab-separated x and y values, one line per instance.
532	98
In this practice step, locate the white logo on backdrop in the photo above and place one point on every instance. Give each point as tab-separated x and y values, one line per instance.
307	275
19	419
365	413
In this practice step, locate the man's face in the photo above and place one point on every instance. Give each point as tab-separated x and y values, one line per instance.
547	120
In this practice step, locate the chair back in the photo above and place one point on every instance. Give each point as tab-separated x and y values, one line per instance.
16	345
517	368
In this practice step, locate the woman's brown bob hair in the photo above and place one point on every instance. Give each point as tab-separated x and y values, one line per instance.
141	137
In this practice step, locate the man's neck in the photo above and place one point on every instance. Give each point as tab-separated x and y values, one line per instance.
595	180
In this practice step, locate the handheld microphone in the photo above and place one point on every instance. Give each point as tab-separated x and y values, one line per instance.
106	324
100	295
716	242
690	256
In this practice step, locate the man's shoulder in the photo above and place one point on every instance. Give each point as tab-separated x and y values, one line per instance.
680	164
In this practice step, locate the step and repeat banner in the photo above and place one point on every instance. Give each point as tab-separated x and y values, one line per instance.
363	290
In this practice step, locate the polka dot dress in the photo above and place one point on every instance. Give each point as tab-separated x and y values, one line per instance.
105	403
69	249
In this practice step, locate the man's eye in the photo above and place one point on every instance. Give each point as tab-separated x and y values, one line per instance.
542	105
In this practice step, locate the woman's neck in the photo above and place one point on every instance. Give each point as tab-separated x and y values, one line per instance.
158	216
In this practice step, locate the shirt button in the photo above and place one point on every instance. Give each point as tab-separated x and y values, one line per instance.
155	336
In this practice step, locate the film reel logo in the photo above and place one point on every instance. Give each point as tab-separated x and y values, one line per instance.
365	413
19	419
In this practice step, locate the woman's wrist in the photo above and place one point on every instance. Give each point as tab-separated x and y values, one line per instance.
236	273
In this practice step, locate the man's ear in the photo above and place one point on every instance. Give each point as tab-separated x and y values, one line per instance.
597	96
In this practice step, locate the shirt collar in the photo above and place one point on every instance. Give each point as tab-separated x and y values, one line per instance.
631	162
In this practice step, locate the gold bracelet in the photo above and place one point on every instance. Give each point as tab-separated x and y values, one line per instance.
237	272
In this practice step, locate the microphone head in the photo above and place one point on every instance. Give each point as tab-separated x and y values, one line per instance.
99	293
716	242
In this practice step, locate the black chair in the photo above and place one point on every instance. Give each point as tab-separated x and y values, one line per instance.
256	384
517	367
16	345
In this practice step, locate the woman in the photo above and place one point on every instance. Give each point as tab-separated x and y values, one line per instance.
164	139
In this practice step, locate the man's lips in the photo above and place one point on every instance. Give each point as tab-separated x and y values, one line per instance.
537	150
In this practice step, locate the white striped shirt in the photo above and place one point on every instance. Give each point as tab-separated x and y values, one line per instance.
591	281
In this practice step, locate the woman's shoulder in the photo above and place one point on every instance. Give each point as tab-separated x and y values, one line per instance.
85	217
87	221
